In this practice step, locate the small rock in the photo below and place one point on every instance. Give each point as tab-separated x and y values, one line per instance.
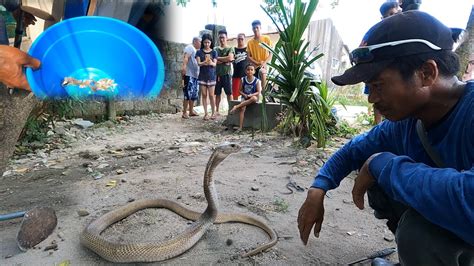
49	133
82	123
293	171
7	173
229	242
102	165
89	170
61	236
119	171
255	188
242	203
179	197
388	238
134	147
123	180
42	155
82	212
131	199
146	180
87	164
52	246
145	156
98	176
89	155
197	196
60	131
8	256
302	163
347	201
351	233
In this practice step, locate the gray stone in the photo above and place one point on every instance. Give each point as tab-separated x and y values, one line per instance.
253	115
255	188
83	123
82	212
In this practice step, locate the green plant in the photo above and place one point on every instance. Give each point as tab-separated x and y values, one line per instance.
308	112
364	118
34	130
344	129
281	205
37	124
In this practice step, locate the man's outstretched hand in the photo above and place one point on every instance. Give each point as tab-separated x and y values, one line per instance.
12	61
311	214
362	183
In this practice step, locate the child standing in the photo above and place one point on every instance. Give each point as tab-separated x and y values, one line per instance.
207	58
249	91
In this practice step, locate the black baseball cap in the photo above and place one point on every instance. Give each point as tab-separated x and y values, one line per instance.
403	34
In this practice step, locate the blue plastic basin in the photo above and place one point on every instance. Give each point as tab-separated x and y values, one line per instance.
93	48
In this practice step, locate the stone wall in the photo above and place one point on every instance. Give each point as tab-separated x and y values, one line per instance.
170	99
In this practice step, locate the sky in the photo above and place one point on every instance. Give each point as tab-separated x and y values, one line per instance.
352	18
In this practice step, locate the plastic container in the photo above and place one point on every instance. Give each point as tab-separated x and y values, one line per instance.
94	48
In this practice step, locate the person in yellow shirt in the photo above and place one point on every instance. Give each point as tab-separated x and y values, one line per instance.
258	55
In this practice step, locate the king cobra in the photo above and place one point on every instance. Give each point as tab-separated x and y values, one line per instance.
159	251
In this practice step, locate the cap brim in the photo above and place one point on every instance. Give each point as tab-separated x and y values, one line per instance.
361	73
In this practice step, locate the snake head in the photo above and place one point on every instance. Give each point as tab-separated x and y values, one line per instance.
227	149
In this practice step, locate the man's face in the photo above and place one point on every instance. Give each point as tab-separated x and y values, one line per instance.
256	30
396	98
240	40
392	11
222	39
197	44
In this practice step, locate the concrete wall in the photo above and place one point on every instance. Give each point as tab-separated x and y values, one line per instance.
323	36
170	99
253	115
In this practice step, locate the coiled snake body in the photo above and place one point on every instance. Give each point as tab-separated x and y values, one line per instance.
149	252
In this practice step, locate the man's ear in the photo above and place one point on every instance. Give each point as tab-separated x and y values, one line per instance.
429	73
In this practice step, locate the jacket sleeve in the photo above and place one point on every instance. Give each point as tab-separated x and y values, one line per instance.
444	196
354	154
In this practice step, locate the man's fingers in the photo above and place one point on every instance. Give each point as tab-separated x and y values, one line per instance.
358	197
304	233
317	229
303	226
32	62
24	83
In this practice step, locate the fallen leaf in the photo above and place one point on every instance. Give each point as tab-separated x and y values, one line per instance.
112	183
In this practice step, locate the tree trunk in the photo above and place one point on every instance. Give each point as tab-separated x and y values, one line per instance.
14	111
466	49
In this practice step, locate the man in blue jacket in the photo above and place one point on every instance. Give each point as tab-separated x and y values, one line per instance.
427	197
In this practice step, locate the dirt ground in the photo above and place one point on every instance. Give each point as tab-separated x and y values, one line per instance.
164	156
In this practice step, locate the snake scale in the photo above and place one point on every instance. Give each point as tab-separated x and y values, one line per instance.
159	251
